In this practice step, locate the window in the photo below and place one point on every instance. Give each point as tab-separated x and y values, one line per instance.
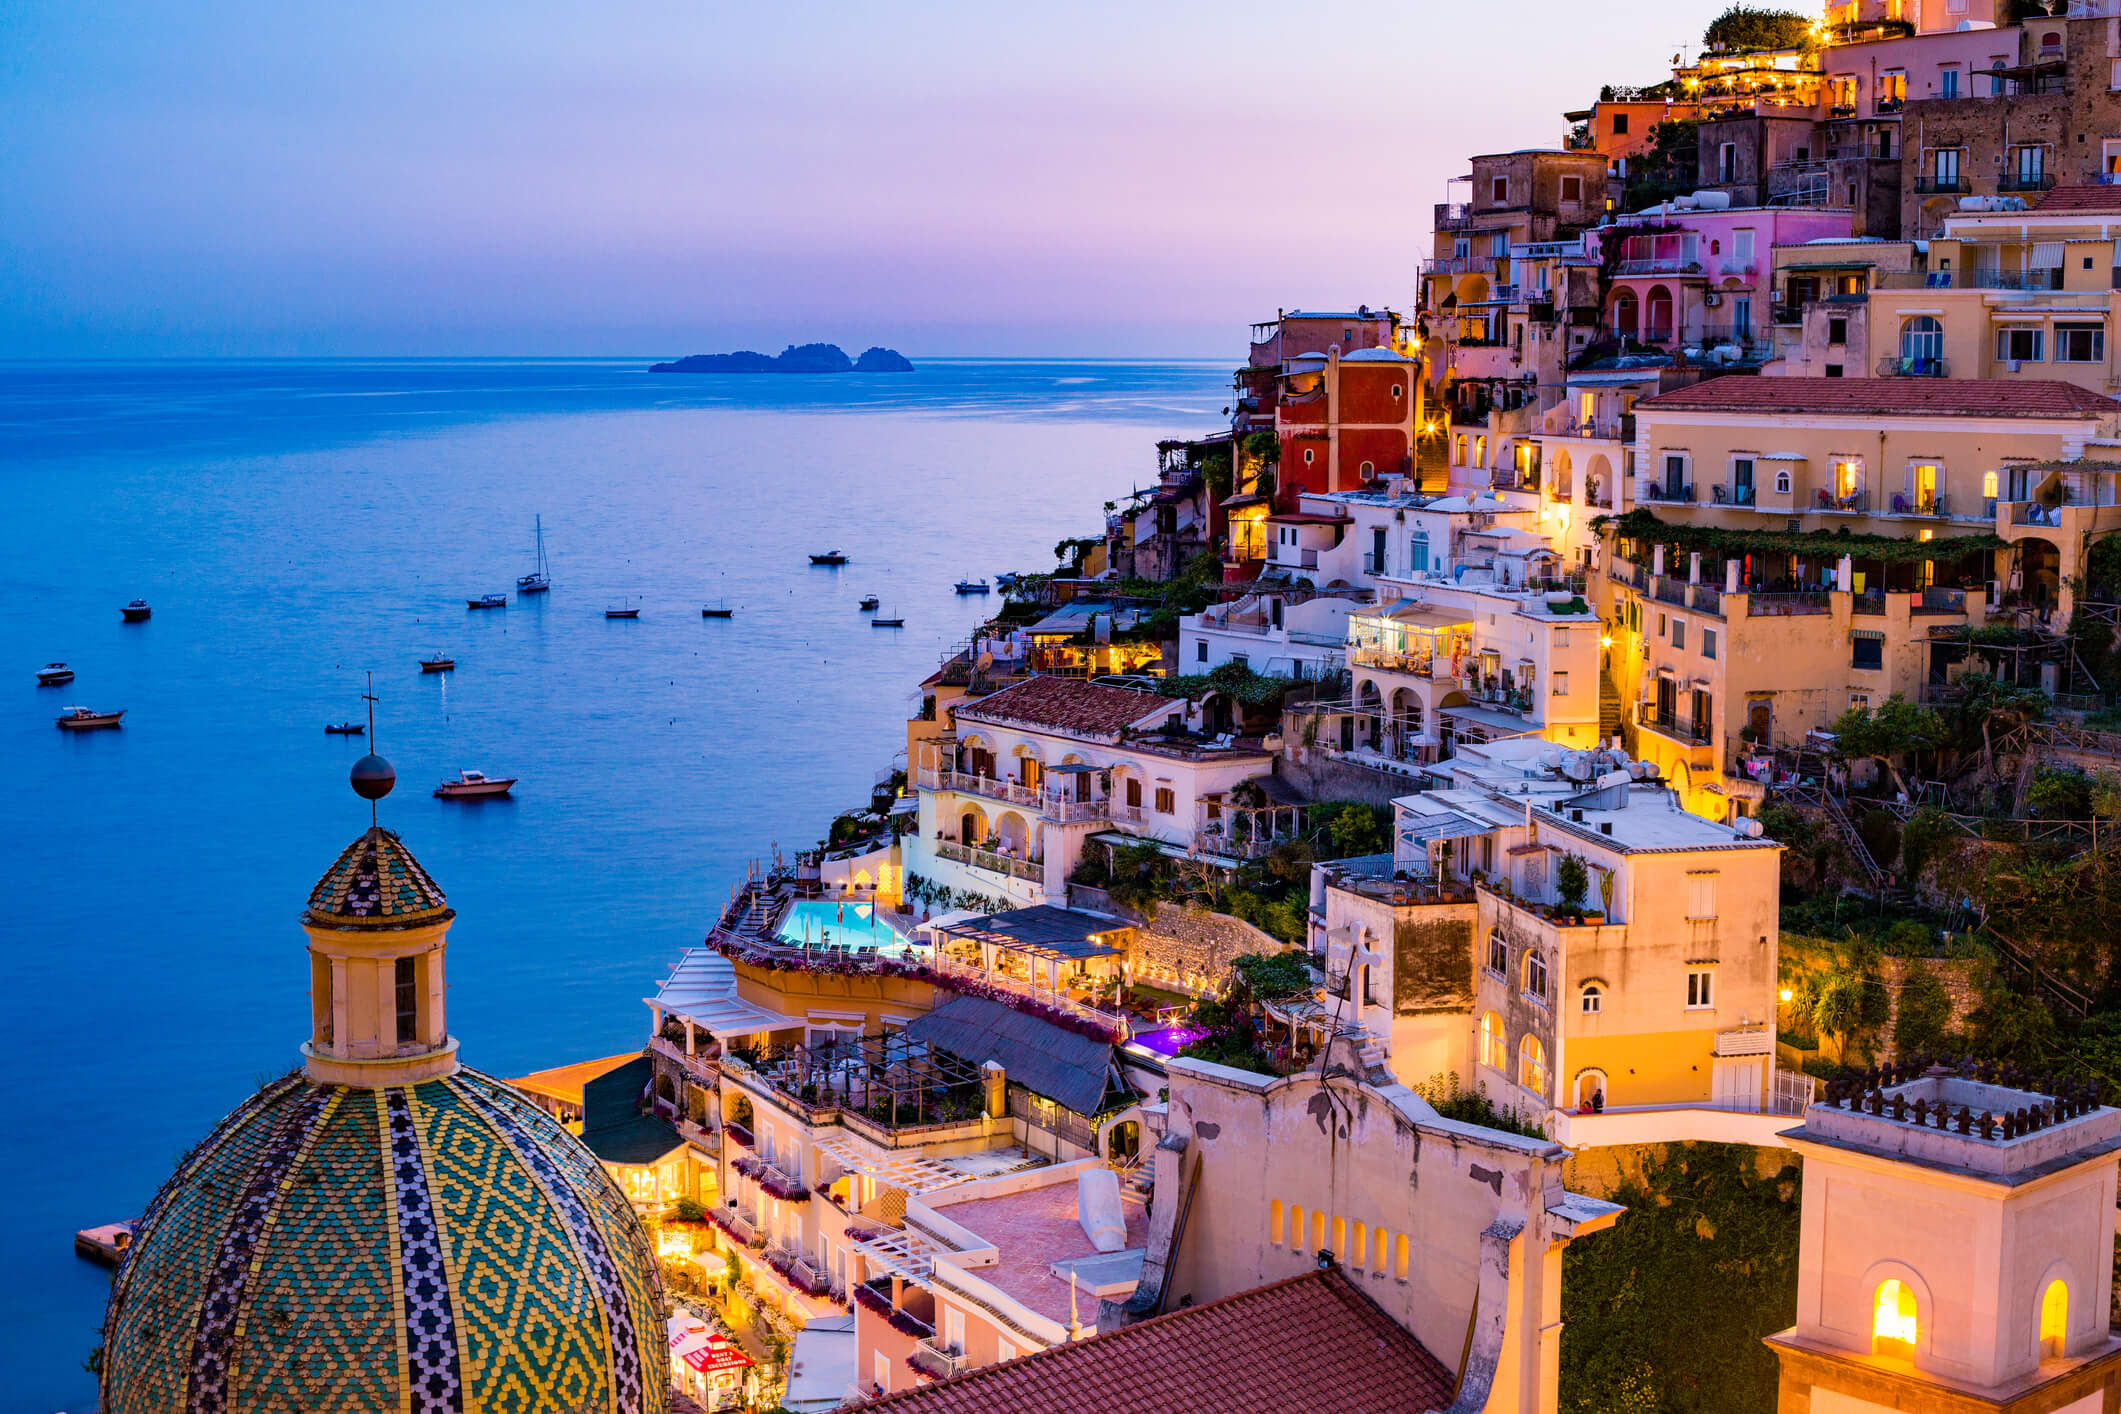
1493	1053
2054	1320
1498	954
1708	643
1782	483
1679	633
1893	1320
1948	81
1561	684
1535	975
1921	338
1944	168
1742	247
1833	370
1418	553
2020	345
1620	125
1274	1222
1309	455
408	989
883	1372
1593	998
1859	702
1166	802
1200	651
1701	896
1727	162
1700	990
2030	164
2080	343
2113	77
1402	1250
1572	189
1003	1350
1837	331
1869	651
1532	1066
1499	190
1243	660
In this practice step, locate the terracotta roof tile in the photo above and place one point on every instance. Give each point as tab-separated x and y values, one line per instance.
2092	198
1314	1342
1859	397
1068	704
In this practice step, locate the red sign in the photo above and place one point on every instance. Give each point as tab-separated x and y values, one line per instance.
716	1357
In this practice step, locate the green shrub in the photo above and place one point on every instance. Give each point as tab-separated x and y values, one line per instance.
1450	1100
1740	28
2060	793
688	1210
1924	1016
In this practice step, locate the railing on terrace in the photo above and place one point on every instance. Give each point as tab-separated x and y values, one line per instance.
1027	869
2025	181
1939	600
1735	495
937	1359
1671	724
1801	601
1671	591
2033	513
1853	503
1660	265
1902	366
1632	575
1709	599
699	1066
1666	493
1235	846
992	787
1870	601
1459	265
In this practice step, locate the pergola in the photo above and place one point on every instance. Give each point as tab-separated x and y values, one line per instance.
891	1169
862	1072
1041	944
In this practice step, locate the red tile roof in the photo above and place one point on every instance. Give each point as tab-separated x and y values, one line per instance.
2093	198
1068	704
1873	397
1313	1342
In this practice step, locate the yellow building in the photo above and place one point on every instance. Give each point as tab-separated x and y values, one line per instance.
1826	604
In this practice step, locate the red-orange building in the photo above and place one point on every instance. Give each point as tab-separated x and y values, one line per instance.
1343	418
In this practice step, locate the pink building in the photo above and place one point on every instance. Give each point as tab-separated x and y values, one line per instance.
1693	276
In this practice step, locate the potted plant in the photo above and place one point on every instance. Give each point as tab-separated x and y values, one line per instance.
1571	882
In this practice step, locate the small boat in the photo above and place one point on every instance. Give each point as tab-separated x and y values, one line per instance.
1006	582
87	719
472	785
437	664
53	674
972	586
893	622
869	603
537	581
623	610
138	612
717	611
487	601
830	557
104	1245
344	729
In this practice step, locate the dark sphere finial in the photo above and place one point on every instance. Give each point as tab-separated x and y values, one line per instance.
372	777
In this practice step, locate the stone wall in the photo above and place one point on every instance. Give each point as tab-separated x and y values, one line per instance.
1432	962
1955	975
1322	777
1184	949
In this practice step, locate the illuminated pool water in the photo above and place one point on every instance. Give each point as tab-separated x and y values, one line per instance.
817	923
1170	1040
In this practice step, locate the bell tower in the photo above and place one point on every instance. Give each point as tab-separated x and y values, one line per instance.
1957	1246
378	931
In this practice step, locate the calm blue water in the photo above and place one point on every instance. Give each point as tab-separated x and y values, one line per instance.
821	923
297	523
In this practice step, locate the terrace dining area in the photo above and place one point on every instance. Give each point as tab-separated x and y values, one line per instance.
1062	957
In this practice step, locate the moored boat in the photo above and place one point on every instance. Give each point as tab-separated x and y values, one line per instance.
487	601
892	622
623	610
53	674
87	719
344	729
138	612
537	581
830	557
474	785
717	611
869	603
972	586
439	663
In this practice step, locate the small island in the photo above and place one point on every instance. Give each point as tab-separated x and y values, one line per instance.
796	358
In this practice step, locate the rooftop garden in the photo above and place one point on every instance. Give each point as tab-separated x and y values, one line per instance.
1742	29
1717	543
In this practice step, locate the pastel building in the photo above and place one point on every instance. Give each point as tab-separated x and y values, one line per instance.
1696	273
1345	419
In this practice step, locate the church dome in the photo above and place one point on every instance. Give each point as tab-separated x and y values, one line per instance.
433	1247
376	883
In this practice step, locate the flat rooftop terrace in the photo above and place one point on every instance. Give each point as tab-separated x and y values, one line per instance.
1034	1229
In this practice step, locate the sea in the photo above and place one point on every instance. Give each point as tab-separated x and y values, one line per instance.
302	528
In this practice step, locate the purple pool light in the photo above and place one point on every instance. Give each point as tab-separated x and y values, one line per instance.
1170	1040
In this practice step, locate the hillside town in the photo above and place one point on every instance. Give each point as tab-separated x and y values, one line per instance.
1559	859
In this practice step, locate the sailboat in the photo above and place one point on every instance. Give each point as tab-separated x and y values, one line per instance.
890	621
624	609
537	581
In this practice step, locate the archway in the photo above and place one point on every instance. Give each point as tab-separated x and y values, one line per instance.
2039	576
1657	315
1014	834
1030	766
972	826
1406	721
1561	480
1597	476
1623	317
1589	1091
1372	705
1123	1141
976	755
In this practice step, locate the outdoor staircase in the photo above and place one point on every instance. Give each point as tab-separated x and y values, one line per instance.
1137	1180
1610	711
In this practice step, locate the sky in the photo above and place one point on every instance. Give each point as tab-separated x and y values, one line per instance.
402	177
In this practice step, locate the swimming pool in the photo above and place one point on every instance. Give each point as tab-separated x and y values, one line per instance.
1168	1041
818	923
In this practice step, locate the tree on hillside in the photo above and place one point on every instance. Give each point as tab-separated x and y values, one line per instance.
1741	28
1896	731
1987	708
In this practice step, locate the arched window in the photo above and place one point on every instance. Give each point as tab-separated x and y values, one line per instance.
1624	321
1458	454
1480	451
1274	1222
1593	998
1782	483
2054	1319
1367	470
1532	1065
1893	1320
1296	1227
1921	342
1535	974
1494	1051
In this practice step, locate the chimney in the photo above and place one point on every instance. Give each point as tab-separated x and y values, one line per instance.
994	1084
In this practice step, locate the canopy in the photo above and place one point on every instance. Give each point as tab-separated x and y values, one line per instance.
1450	825
717	1356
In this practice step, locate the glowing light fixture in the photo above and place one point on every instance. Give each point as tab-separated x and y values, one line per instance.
1893	1320
1786	994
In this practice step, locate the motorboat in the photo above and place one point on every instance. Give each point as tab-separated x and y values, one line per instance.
487	601
538	580
439	663
972	586
1006	582
137	612
344	729
893	622
53	674
717	611
623	610
470	785
869	603
830	557
87	719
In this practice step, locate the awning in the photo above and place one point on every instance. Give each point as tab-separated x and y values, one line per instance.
905	805
1044	931
717	1357
1430	829
1494	721
1866	633
944	920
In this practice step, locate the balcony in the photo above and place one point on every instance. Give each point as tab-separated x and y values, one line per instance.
1856	502
966	783
1459	265
1671	724
1033	990
2025	181
742	1226
1372	562
1870	601
1904	366
1031	871
937	1360
1935	185
1636	577
1937	507
1670	591
1668	494
700	1068
1802	601
1939	600
1709	599
1733	495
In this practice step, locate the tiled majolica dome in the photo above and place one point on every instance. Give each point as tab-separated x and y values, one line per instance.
435	1247
376	883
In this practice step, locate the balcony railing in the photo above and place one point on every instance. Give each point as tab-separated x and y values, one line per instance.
1671	591
1666	493
934	1358
1372	562
2025	181
1904	366
1870	601
1934	185
1939	600
1026	869
1733	495
1851	502
1634	576
965	782
1709	599
1905	505
1673	725
1459	265
1802	601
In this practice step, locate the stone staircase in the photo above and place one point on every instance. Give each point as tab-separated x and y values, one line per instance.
1610	711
